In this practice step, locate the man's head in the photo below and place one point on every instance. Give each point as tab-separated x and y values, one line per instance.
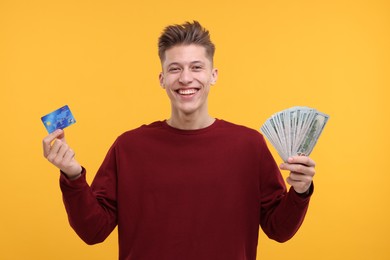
186	54
185	34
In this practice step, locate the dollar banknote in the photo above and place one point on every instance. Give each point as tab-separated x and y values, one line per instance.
294	131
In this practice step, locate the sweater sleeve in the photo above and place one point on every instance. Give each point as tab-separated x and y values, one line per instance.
92	209
282	212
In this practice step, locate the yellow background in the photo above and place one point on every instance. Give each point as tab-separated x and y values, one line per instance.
100	58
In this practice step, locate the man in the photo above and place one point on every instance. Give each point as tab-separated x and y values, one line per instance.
189	187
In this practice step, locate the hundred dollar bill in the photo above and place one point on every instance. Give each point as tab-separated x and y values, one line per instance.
294	131
313	133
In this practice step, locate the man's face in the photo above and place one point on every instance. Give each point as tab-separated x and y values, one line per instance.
186	77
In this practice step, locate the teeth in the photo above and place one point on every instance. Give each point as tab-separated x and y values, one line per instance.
187	91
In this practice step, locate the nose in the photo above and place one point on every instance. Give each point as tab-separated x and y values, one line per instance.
185	77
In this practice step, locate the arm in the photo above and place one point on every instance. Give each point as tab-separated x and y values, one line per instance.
282	211
91	213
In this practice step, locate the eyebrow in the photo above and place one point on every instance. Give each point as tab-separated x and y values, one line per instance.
191	63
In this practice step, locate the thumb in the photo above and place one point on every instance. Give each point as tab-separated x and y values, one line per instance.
60	134
48	140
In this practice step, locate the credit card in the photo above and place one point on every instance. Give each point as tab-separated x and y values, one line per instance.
58	119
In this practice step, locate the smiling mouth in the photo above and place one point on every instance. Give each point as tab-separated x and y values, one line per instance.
187	92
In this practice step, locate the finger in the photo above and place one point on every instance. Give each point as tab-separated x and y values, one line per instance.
54	149
47	141
301	169
298	168
66	160
302	160
61	153
298	177
68	156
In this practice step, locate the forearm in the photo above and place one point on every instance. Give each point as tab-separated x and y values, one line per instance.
285	217
92	218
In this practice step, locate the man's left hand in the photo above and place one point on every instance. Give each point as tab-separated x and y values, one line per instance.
301	172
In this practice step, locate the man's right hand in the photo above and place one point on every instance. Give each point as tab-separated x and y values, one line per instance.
58	152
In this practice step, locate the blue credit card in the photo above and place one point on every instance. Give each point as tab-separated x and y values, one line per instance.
58	119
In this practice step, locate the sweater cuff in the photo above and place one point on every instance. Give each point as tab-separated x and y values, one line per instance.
79	182
301	200
307	194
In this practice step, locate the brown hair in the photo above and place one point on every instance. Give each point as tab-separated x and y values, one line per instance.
185	34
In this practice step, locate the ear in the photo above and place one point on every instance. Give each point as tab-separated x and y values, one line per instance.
214	76
161	79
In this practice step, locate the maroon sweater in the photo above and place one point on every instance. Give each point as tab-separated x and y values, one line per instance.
185	194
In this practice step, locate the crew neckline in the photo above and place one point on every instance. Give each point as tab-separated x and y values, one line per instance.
190	131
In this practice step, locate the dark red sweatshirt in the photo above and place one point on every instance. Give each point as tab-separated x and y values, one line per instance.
185	194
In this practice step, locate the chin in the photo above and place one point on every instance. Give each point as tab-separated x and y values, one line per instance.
187	109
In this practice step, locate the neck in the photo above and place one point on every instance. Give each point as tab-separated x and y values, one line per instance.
190	122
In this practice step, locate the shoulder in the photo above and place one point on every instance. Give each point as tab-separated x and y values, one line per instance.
241	134
237	129
140	132
245	141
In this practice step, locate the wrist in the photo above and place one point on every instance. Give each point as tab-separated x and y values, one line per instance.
73	175
306	193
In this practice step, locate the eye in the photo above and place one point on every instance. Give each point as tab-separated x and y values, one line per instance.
174	69
197	68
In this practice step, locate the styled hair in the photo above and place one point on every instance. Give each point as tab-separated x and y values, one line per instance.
185	34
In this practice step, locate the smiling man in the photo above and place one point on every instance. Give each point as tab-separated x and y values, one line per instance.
190	187
187	76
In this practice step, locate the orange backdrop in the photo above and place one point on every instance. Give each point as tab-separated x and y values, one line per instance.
100	58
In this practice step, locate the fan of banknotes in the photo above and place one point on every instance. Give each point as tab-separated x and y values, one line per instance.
294	131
